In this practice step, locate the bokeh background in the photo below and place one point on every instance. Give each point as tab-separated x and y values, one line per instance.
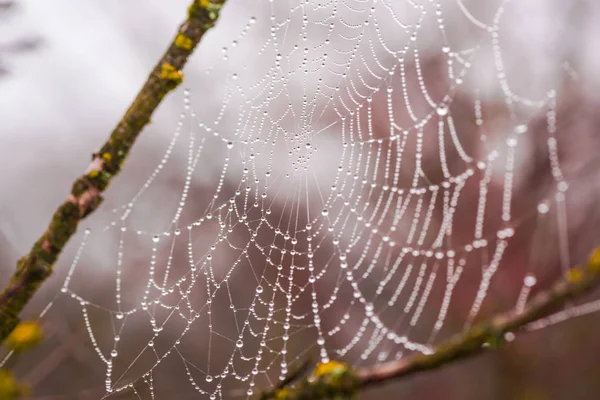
69	69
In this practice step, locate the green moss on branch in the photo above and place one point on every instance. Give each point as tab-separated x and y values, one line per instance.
86	193
491	333
338	381
332	380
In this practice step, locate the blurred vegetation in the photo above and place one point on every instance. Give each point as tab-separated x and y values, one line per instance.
10	387
11	47
24	337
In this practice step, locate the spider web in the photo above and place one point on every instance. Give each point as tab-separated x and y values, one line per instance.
351	196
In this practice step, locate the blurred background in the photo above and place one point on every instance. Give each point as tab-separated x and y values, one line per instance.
68	70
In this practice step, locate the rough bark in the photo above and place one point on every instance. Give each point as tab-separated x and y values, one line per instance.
86	194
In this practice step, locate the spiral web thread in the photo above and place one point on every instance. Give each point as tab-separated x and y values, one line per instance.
340	178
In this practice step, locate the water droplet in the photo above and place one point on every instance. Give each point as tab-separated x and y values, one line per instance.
442	110
520	129
562	186
239	344
209	378
529	280
543	208
155	238
119	315
259	289
325	212
230	145
114	353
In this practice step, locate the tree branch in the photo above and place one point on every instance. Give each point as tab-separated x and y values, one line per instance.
338	380
86	193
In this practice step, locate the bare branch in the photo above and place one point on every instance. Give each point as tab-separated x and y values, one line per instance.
339	381
86	193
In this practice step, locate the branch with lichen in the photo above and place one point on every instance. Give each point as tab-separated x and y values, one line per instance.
86	194
24	337
336	380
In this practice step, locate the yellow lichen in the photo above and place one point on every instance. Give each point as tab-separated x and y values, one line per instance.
170	73
107	157
333	379
594	263
93	173
203	9
282	394
574	275
184	42
10	388
25	336
330	368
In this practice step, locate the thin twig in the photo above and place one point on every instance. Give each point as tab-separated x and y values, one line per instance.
86	193
340	380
